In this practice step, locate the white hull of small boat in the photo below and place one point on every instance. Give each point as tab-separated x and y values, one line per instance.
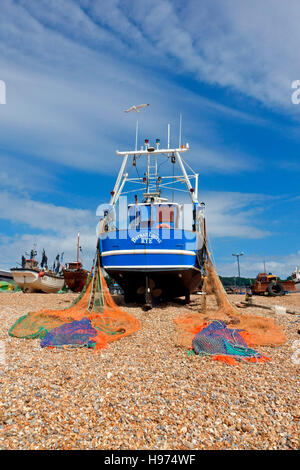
32	281
297	286
296	279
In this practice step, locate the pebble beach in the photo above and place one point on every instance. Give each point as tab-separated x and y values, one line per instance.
144	392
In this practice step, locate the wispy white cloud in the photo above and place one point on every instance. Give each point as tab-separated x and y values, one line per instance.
23	176
280	265
47	225
67	86
232	214
43	216
248	46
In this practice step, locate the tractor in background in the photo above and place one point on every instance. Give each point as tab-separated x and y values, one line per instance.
268	284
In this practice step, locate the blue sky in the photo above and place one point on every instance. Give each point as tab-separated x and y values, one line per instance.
71	67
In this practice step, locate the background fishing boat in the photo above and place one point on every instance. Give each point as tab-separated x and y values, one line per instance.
296	279
74	274
5	276
32	278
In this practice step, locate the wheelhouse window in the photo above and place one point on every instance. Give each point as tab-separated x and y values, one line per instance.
144	216
165	214
141	217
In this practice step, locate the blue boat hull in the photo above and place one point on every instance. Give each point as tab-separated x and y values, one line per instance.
166	260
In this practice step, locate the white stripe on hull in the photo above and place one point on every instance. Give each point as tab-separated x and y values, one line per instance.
148	252
159	267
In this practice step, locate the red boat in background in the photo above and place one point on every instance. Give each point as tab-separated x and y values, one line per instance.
74	274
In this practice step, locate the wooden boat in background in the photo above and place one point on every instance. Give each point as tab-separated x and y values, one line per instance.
33	279
74	274
6	276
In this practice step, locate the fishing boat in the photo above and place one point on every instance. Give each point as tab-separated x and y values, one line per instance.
32	278
74	274
154	249
296	279
5	275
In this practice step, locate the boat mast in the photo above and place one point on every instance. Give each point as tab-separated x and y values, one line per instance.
180	129
136	134
78	249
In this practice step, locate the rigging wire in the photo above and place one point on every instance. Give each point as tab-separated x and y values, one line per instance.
137	172
211	251
173	165
185	162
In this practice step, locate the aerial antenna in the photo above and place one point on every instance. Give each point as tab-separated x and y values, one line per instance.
168	135
136	133
180	129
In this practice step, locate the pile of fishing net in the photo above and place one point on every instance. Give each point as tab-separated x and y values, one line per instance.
225	344
93	320
220	330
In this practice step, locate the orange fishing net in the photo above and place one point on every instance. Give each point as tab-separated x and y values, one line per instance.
94	303
259	331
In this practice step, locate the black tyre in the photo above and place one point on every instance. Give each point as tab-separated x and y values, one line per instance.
275	289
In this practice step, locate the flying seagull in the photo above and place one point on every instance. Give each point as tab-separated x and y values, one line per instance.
136	108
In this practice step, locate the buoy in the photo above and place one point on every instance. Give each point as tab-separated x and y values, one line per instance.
163	226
